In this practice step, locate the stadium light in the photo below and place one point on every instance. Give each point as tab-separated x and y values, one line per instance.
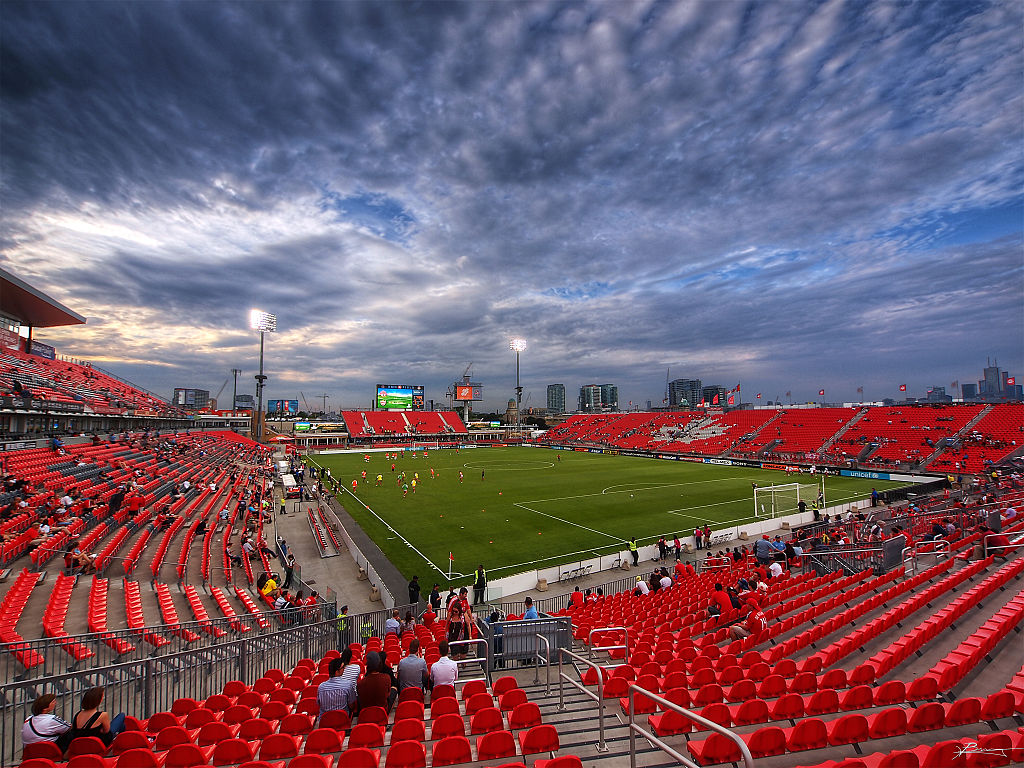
264	323
517	346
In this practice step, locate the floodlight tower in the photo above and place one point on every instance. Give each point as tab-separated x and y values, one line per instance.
517	346
265	323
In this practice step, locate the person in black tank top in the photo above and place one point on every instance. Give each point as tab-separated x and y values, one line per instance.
91	721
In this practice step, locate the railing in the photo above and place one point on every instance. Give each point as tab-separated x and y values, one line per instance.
634	729
484	658
559	602
831	560
599	697
911	555
145	686
624	647
537	659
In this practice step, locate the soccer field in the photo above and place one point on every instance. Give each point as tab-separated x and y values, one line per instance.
517	509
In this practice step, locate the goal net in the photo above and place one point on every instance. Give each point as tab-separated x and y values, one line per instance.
784	499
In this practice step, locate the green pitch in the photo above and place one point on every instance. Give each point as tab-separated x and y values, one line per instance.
518	509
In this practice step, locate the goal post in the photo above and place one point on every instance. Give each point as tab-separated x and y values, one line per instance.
780	500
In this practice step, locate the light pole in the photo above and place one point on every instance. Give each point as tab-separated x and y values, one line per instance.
517	346
234	390
264	322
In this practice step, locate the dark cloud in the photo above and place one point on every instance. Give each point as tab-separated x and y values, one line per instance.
786	194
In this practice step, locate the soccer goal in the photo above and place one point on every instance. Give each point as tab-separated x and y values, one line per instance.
784	499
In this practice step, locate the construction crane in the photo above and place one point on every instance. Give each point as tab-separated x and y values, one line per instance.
323	397
216	397
306	404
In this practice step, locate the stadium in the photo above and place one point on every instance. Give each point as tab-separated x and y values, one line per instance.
229	538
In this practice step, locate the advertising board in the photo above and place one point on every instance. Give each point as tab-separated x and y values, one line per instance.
39	349
9	339
282	407
400	397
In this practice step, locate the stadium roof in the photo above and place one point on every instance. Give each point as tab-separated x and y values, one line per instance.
29	306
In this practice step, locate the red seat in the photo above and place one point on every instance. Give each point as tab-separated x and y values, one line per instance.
540	738
338	719
848	729
279	746
187	755
562	761
669	723
446	706
824	702
232	751
495	744
767	741
962	711
478	701
199	717
927	717
771	687
751	712
237	713
443	692
311	760
447	725
213	733
922	689
510	699
411	694
86	745
452	750
472	688
503	685
137	758
170	737
47	750
296	724
890	692
408	730
525	715
182	707
366	735
376	715
40	762
807	734
359	757
888	722
859	697
256	728
945	754
406	754
487	720
997	706
122	742
323	740
715	749
275	710
409	710
86	761
788	707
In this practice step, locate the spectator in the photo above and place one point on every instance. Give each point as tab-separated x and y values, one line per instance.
92	721
269	586
778	548
666	581
376	689
457	629
576	598
393	625
444	671
678	547
412	670
755	626
289	570
409	625
531	612
775	570
499	644
435	598
414	590
429	617
339	691
720	602
763	550
641	588
43	725
343	628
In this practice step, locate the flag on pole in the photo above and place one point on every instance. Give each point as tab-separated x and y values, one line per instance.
903	387
732	399
955	384
758	395
451	557
789	394
821	391
860	390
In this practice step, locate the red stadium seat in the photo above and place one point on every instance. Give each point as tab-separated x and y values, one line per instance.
540	738
359	757
322	740
452	750
406	754
495	744
486	720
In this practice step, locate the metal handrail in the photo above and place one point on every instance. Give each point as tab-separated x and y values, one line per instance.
537	658
624	646
748	759
599	697
484	657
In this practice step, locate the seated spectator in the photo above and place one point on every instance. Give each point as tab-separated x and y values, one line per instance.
376	688
412	670
444	671
92	721
43	725
993	542
756	624
339	691
720	602
409	625
429	617
775	570
531	612
393	625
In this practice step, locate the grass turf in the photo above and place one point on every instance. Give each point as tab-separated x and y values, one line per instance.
518	509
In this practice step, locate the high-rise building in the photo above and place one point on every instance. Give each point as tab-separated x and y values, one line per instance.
688	390
714	396
556	398
595	398
992	384
969	391
190	399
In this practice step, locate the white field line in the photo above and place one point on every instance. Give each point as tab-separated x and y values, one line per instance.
408	543
568	522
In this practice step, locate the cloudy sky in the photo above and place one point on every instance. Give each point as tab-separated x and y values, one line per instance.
790	195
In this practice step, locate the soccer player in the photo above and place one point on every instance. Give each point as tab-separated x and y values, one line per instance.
405	491
460	476
380	479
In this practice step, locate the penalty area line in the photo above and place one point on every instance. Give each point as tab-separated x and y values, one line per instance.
569	522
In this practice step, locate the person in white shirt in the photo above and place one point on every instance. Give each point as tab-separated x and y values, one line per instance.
641	586
775	569
43	725
444	671
393	624
666	580
66	501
